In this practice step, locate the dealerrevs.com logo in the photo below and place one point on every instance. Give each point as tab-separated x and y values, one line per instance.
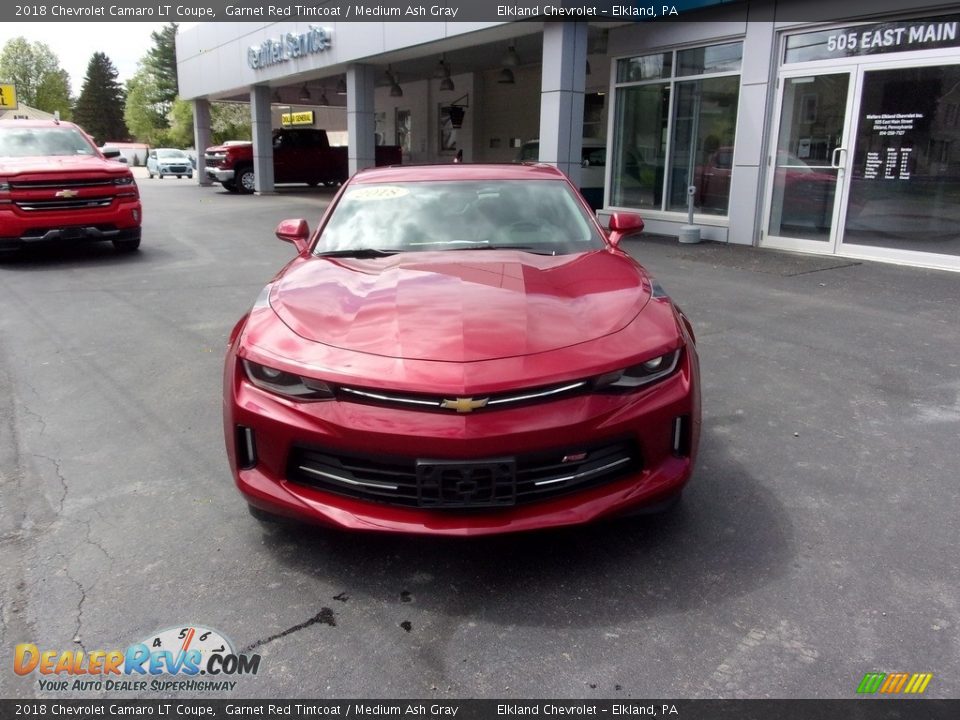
894	683
190	658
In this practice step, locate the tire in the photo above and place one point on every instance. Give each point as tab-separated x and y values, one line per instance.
246	180
179	176
126	245
151	175
231	186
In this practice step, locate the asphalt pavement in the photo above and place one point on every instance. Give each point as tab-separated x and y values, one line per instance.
817	541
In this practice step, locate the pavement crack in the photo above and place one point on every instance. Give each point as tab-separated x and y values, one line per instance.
77	636
325	616
63	481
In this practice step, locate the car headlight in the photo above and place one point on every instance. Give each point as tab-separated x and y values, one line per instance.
123	181
641	374
284	383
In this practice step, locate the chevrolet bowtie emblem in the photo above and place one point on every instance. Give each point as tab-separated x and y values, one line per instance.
66	194
464	405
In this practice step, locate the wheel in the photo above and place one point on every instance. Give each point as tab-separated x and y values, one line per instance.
179	176
190	176
127	245
263	516
246	180
231	186
151	175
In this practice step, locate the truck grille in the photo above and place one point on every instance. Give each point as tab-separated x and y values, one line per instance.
71	204
60	184
490	482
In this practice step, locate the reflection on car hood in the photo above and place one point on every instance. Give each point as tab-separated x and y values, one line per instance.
460	306
60	164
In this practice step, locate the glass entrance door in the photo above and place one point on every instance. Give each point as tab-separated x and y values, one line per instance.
807	170
904	197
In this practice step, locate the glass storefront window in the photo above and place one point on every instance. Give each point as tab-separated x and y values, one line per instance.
712	59
646	67
639	146
705	119
905	184
672	133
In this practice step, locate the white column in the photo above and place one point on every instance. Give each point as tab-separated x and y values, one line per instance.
201	136
561	96
361	124
262	128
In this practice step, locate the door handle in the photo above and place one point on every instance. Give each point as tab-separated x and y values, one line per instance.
835	160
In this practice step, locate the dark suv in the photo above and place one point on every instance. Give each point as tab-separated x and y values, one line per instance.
55	184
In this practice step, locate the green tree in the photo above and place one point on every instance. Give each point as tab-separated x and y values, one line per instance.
53	94
142	116
99	108
180	133
229	121
161	62
35	70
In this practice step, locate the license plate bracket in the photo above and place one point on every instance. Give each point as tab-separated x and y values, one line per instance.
467	484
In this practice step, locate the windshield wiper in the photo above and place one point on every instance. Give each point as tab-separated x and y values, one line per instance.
358	253
525	248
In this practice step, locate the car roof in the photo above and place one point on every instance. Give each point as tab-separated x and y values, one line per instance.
39	123
459	171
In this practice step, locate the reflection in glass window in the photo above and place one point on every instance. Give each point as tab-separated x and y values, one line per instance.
646	67
705	119
639	146
905	186
698	113
712	59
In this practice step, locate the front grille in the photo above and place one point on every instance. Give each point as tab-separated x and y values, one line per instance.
174	169
72	204
452	403
60	184
490	482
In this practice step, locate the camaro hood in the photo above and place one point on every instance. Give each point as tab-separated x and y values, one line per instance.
60	165
460	306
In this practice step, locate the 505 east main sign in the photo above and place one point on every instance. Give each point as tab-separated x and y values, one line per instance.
289	46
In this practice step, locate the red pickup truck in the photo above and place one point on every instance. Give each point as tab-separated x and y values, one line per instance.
55	185
301	155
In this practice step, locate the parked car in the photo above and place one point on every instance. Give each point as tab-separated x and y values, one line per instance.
592	171
56	185
169	161
460	350
300	155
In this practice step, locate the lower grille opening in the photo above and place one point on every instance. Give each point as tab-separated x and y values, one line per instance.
246	447
681	436
463	484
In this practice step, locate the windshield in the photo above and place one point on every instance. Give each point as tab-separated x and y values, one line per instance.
171	154
40	142
541	216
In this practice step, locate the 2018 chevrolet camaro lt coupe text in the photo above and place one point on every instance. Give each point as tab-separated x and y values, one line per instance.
460	350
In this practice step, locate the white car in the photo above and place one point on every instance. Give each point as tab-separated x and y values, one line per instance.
169	161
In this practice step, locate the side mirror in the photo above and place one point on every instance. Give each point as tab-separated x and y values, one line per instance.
111	153
294	231
623	224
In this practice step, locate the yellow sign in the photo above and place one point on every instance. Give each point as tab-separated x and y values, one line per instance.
8	97
297	118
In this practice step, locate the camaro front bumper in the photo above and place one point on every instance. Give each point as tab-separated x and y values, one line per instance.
366	466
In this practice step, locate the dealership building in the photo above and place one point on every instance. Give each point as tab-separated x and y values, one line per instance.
830	128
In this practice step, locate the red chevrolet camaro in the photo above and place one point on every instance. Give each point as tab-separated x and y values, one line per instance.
461	350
